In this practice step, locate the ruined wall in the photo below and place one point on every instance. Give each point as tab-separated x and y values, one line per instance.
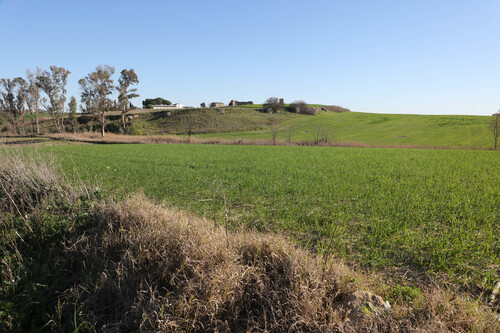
236	103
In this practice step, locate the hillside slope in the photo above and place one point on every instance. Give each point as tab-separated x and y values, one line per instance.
382	129
248	122
347	127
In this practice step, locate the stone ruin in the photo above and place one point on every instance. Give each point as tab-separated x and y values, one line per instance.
236	103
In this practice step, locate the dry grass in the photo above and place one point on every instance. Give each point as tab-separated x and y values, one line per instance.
27	179
110	138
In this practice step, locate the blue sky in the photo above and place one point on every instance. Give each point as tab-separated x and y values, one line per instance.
399	56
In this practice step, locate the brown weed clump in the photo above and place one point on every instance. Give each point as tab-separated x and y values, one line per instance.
157	269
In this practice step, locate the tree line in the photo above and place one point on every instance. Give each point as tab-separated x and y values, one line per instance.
45	91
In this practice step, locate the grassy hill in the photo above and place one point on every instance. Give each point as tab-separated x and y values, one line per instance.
206	120
248	122
381	129
347	127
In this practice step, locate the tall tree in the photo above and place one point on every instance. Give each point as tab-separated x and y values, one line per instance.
72	113
53	83
148	102
33	98
96	87
12	102
127	78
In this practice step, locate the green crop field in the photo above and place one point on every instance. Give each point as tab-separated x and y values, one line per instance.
433	211
380	129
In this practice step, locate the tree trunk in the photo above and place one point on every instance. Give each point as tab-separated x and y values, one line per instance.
36	118
62	121
102	124
37	123
123	120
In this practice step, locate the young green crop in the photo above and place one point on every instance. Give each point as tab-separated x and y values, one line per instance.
431	210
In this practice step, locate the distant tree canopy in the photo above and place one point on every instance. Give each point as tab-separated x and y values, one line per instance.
154	101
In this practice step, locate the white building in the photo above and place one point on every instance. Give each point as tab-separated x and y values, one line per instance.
167	107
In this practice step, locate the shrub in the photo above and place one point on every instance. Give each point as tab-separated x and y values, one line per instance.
301	107
114	128
272	104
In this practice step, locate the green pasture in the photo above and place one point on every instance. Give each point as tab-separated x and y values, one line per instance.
379	129
433	211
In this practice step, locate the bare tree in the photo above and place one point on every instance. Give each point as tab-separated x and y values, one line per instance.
274	133
72	113
33	98
496	128
290	132
12	102
127	78
96	87
53	83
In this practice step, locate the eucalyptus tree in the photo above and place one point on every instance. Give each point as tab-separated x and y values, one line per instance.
72	113
12	102
96	87
127	78
53	83
33	98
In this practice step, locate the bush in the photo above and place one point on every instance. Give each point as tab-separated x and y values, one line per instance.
272	105
114	128
301	107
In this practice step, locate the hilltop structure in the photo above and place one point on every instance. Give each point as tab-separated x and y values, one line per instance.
236	103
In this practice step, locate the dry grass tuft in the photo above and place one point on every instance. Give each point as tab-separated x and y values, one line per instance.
27	179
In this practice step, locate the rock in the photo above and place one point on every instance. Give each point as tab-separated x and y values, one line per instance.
169	114
359	305
324	109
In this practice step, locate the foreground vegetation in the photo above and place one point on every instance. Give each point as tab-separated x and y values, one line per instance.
433	212
73	260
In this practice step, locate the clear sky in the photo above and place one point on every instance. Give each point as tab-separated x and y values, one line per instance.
397	56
